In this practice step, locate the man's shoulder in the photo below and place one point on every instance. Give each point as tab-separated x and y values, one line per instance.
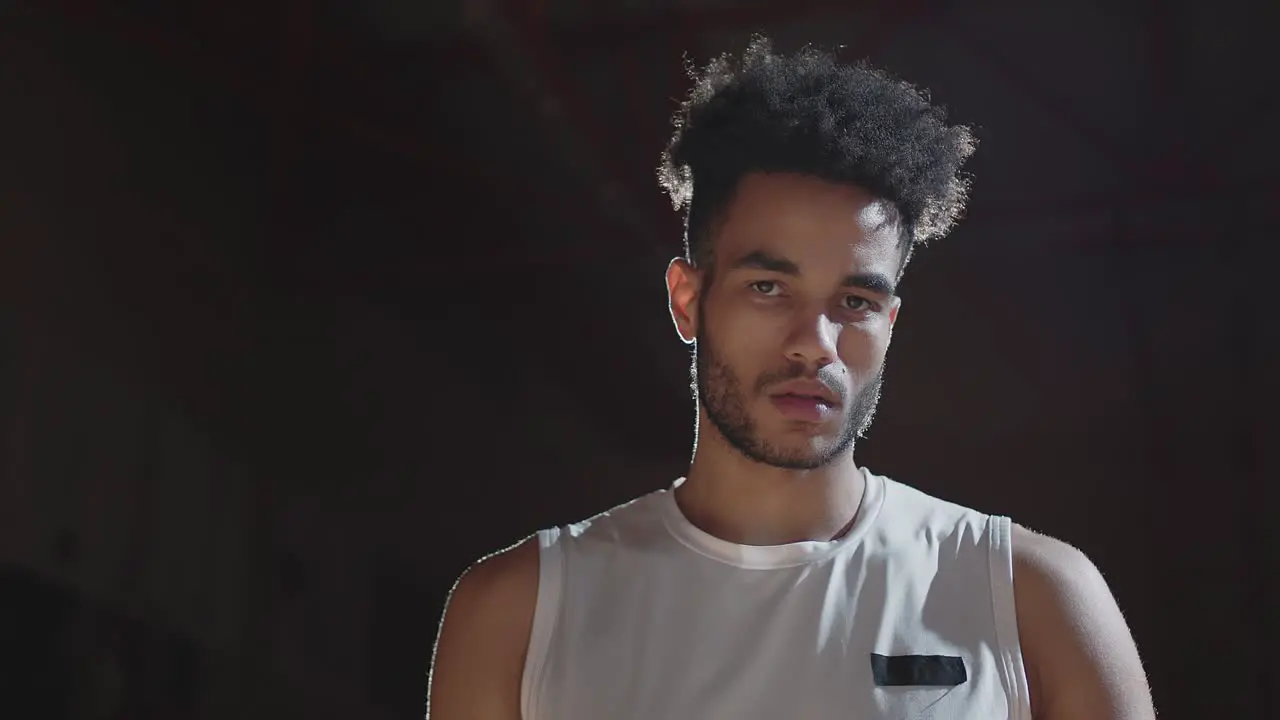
500	585
1080	656
484	635
499	592
1052	575
1046	559
1052	580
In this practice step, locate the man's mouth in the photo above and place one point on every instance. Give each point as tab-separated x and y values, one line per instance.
806	408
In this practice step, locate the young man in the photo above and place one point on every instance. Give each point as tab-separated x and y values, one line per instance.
779	579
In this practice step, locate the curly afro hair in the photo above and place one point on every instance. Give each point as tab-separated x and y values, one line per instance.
806	113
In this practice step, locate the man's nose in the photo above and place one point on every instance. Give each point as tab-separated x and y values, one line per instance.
813	340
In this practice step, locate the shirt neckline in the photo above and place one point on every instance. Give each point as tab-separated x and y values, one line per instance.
772	556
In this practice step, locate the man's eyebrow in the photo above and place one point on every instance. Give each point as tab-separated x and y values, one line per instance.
875	282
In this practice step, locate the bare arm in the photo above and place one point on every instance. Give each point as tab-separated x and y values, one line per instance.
484	636
1082	662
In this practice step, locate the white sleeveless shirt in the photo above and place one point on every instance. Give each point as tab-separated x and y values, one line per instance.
641	615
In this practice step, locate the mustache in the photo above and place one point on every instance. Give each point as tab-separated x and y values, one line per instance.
828	376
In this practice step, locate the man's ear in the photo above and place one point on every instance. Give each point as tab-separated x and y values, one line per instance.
684	291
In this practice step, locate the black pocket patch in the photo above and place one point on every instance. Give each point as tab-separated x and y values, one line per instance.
936	670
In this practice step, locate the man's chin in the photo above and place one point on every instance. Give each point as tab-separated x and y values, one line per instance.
789	431
799	458
806	443
801	443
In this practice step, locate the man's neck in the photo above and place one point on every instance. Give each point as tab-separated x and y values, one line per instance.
742	501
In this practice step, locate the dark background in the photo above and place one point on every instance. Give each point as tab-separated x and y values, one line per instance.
304	306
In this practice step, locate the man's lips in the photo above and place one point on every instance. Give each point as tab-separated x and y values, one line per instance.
808	389
806	408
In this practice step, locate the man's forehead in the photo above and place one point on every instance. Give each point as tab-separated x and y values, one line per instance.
878	215
830	212
814	252
788	197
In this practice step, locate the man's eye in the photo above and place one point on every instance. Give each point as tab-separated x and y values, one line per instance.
765	287
853	302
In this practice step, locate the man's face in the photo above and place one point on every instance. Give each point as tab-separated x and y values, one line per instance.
792	330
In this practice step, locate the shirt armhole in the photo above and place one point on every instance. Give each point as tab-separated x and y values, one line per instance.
545	613
1006	617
